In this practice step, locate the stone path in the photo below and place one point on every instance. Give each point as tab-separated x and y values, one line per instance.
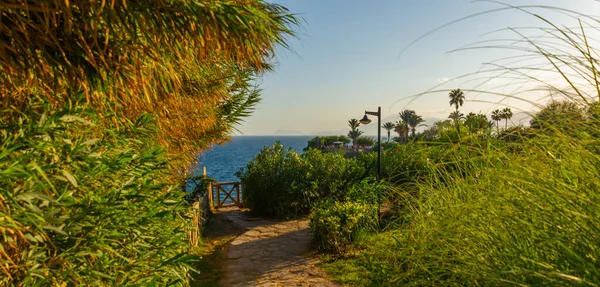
270	253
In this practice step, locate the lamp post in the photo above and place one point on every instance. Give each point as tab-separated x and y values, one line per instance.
365	121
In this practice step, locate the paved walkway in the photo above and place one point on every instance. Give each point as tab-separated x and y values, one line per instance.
270	253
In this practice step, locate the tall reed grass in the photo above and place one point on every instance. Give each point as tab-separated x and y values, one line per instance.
521	213
103	107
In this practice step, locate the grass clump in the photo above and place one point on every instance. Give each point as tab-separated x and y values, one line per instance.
336	225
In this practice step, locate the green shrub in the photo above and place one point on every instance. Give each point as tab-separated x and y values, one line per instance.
279	182
369	191
336	224
82	205
413	163
271	182
329	175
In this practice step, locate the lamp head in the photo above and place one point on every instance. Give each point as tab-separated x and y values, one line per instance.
365	120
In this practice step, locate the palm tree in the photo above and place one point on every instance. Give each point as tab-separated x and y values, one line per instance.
405	115
354	132
414	122
506	115
497	116
457	99
354	135
353	123
389	126
456	116
402	129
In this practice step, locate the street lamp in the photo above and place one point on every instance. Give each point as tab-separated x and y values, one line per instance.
365	121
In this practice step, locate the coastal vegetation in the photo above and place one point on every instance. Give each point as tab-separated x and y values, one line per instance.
96	141
320	142
103	107
469	201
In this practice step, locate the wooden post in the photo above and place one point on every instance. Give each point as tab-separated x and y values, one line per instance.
209	191
237	193
218	195
242	190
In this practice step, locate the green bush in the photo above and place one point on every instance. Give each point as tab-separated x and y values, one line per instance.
416	162
271	182
279	182
336	224
329	175
369	191
82	205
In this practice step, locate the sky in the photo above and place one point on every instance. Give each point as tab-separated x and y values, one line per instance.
354	55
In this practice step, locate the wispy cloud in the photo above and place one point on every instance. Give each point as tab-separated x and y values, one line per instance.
442	80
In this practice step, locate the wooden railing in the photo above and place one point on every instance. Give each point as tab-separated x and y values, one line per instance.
200	211
226	194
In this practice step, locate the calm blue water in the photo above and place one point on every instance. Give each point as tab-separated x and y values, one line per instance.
222	162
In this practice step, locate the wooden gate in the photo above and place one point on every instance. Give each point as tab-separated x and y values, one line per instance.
226	194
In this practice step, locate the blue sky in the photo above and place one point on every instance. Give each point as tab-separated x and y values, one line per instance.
347	58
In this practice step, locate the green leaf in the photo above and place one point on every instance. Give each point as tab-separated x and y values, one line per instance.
70	177
28	196
73	118
55	229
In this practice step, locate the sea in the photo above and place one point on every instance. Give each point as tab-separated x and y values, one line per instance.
223	161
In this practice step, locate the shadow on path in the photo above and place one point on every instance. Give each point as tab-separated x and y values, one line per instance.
268	252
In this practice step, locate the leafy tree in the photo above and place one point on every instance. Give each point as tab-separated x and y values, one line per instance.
389	126
431	132
316	142
365	141
506	114
477	123
438	127
322	141
457	99
329	140
497	117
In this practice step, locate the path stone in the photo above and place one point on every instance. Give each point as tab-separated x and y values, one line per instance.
270	253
